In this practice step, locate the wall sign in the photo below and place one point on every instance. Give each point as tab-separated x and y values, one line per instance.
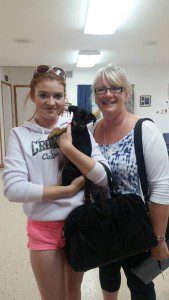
145	100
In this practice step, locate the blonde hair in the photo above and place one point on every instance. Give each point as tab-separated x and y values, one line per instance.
115	76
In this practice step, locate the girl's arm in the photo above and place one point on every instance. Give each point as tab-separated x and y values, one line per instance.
17	185
89	166
55	192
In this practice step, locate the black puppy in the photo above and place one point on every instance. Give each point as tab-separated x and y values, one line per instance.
80	139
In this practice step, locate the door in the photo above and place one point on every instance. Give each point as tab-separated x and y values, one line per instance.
23	110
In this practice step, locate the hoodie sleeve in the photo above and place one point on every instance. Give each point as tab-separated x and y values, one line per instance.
17	187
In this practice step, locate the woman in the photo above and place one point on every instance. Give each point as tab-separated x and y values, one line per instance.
32	176
114	134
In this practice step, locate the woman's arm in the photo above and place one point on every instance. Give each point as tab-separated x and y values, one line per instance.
159	219
157	168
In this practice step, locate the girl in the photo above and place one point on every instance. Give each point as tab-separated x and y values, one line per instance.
32	176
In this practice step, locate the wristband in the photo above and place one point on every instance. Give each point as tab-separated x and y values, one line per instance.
160	238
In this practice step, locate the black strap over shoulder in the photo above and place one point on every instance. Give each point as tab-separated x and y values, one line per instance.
138	145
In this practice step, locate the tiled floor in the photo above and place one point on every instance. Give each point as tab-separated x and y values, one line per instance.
16	278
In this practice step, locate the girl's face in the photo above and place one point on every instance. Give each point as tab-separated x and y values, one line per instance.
49	100
110	102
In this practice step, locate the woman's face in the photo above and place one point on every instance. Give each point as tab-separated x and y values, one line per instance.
112	102
49	100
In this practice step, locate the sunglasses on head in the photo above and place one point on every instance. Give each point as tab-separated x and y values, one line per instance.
43	69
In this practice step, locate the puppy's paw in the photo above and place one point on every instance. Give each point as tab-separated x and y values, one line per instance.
56	132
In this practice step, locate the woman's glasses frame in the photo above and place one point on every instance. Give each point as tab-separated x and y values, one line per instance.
113	90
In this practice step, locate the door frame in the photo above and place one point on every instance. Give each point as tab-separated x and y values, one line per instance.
10	86
1	162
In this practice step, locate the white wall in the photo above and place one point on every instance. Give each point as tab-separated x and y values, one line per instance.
79	77
23	75
147	81
154	82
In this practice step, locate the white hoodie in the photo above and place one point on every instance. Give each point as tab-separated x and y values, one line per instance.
33	161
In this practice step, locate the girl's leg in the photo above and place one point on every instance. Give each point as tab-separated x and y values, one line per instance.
48	268
110	296
73	283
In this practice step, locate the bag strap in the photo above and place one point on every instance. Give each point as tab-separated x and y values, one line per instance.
138	145
92	189
112	183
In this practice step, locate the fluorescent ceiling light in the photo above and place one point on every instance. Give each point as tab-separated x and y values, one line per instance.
87	58
105	16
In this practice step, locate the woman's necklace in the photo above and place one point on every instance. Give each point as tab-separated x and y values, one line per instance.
117	134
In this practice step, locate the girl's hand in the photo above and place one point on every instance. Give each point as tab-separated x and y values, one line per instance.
77	184
65	139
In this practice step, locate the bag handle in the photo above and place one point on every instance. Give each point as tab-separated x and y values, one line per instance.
138	145
112	183
91	188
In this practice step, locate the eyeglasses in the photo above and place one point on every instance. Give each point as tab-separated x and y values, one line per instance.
113	90
43	69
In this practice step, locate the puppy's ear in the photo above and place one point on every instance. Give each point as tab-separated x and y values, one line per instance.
73	108
91	117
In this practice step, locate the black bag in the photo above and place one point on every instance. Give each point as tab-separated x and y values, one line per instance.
107	227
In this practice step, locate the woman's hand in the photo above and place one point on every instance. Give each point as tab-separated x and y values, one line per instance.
77	184
160	252
65	139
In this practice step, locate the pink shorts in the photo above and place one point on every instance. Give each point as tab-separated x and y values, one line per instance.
45	235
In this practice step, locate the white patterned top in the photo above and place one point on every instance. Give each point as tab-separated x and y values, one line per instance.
122	159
